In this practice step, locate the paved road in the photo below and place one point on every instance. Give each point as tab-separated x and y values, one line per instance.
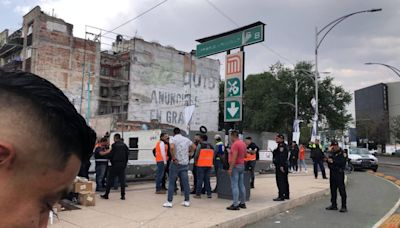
369	199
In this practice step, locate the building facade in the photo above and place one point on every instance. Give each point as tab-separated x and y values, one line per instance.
375	107
136	81
47	47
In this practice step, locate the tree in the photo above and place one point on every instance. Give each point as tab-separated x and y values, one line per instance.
265	92
395	128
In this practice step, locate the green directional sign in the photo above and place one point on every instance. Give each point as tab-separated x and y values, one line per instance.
233	110
233	87
235	39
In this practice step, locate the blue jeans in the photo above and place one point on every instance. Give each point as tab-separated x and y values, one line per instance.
203	176
237	185
303	165
174	172
160	175
100	175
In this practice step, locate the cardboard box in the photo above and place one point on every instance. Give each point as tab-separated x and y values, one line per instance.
57	208
87	198
83	187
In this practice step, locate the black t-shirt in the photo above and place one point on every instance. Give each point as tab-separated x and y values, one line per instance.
119	153
253	146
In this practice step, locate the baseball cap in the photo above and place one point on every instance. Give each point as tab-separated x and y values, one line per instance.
217	137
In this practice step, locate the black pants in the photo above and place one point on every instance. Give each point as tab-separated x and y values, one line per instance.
319	163
282	182
250	166
336	181
294	164
116	170
194	172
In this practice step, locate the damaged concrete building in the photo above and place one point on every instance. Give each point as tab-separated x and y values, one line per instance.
45	46
134	85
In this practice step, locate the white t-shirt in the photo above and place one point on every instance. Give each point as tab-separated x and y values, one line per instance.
182	146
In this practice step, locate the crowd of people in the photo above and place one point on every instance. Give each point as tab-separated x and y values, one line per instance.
173	155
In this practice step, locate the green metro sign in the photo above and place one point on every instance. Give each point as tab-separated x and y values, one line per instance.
233	110
243	36
233	87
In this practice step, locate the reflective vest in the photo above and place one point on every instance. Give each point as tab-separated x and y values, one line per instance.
250	157
159	157
206	158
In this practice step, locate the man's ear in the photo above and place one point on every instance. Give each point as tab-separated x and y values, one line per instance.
7	154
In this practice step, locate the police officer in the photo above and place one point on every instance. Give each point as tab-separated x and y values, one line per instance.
250	158
336	164
317	156
119	160
280	155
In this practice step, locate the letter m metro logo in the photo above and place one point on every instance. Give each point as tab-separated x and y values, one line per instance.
234	64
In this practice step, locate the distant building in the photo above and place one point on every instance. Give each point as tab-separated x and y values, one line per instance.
135	84
45	46
375	106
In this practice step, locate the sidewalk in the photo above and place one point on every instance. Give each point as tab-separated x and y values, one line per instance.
143	208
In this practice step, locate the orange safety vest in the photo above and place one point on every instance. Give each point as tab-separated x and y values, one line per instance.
159	157
250	157
206	158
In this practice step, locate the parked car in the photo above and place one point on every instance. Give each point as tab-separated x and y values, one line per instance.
360	158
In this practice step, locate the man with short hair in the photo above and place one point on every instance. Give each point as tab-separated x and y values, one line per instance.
197	144
100	156
337	164
250	158
43	140
219	151
181	149
119	160
204	162
161	155
280	155
317	156
236	171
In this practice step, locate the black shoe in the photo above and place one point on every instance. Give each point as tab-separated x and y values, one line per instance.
214	191
104	197
252	186
287	198
279	199
343	210
325	178
122	197
233	208
242	205
332	208
193	192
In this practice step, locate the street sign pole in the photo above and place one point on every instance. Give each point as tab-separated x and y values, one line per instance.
234	72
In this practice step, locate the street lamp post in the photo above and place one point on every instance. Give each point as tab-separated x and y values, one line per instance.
394	69
325	30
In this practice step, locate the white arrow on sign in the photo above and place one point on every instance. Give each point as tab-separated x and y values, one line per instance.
233	109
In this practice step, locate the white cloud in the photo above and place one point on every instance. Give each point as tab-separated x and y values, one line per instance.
22	10
6	2
99	13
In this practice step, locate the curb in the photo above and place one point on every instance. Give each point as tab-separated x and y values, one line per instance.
386	221
267	212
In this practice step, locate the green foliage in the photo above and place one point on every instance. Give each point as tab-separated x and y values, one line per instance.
395	128
265	91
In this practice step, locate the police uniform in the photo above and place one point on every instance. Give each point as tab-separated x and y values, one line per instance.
119	160
337	167
280	155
